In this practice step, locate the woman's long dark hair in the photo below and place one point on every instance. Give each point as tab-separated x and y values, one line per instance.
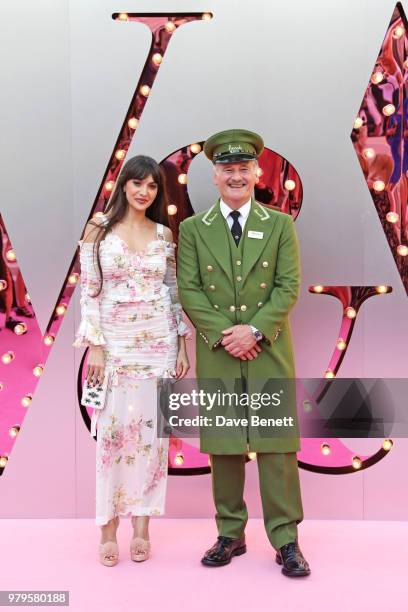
138	167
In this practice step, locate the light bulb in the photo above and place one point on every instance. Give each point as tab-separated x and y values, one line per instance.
123	17
356	462
290	185
10	255
182	178
381	289
170	27
358	122
341	344
251	456
402	250
398	32
259	172
38	370
388	109
133	123
157	59
377	77
307	406
195	148
73	278
387	444
318	288
172	209
3	285
27	399
3	461
179	459
145	90
20	329
350	312
120	154
7	357
329	374
13	431
109	185
206	16
392	217
325	449
49	339
61	309
369	153
378	185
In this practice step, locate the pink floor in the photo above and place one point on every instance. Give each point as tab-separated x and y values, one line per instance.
356	566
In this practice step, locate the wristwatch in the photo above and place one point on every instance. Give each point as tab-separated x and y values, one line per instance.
258	335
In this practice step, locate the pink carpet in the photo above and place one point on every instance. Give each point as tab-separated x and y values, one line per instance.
356	566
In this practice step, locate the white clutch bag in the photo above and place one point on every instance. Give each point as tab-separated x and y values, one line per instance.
95	396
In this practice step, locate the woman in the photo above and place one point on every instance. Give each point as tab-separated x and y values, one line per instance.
132	323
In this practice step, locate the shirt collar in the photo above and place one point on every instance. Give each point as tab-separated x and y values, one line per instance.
244	210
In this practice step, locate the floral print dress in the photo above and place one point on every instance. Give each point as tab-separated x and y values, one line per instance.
136	318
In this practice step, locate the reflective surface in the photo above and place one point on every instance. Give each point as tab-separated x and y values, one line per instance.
279	186
23	349
380	138
332	455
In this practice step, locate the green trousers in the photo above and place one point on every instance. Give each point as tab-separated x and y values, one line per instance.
280	494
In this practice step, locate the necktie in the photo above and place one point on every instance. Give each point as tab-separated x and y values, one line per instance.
236	228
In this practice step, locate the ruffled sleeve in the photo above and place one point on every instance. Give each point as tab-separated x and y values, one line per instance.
170	280
89	331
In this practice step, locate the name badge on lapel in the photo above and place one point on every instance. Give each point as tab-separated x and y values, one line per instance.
252	234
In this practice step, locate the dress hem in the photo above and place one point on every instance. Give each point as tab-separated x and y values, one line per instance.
138	512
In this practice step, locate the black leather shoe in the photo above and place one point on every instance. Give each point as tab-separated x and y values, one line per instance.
223	551
294	563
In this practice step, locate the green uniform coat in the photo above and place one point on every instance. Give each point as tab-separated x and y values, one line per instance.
256	283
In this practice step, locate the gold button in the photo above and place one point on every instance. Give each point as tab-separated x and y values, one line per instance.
212	287
210	268
263	285
232	308
260	304
216	306
265	264
238	262
239	278
243	307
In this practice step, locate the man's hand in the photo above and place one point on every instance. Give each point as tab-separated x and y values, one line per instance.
252	353
239	342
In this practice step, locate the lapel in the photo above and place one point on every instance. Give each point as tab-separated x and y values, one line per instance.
259	220
212	231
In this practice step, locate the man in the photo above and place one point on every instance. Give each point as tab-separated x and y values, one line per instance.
238	277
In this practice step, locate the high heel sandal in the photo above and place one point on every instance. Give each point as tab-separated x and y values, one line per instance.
109	551
109	554
139	549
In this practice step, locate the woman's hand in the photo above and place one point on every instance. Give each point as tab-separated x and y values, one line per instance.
182	363
95	370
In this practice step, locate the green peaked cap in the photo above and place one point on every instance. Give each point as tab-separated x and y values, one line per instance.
232	146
